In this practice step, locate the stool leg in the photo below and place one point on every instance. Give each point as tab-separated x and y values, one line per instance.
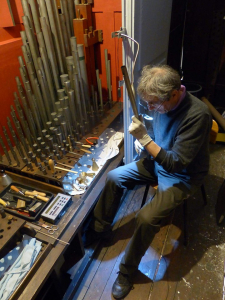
204	194
145	195
185	222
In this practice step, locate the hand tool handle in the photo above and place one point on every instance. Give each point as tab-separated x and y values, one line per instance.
39	193
34	193
66	170
42	198
52	165
15	189
86	151
130	92
3	202
37	196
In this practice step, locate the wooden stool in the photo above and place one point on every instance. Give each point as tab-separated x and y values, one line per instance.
185	208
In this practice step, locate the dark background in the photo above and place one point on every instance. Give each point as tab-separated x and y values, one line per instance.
200	27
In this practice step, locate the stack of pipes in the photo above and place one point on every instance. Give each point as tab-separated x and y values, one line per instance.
53	92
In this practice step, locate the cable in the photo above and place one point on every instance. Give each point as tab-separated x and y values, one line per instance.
132	75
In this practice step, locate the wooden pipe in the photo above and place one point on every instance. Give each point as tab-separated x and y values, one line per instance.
215	113
53	167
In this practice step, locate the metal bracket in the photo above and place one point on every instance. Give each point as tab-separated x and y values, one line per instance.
119	32
121	83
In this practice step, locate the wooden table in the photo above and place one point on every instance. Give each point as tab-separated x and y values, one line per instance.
53	256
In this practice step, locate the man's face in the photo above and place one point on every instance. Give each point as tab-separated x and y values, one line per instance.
162	106
156	104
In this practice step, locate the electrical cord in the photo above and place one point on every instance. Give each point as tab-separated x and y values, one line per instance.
132	75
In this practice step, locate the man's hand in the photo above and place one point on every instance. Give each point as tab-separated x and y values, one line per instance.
139	148
139	131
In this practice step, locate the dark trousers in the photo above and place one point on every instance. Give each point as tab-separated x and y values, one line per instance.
170	193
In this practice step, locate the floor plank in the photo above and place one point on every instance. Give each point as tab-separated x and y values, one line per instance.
183	273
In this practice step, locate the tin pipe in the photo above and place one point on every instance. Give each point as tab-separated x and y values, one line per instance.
33	108
24	124
61	94
10	146
44	93
84	78
31	41
55	35
50	52
71	10
15	139
63	78
66	39
110	87
35	15
43	11
19	131
48	75
64	9
59	30
77	70
73	109
5	151
27	12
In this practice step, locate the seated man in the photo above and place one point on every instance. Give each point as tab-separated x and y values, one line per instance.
178	160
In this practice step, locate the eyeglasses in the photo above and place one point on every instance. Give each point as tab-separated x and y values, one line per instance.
154	105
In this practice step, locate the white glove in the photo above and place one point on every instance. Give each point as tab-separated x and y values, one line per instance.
138	148
139	131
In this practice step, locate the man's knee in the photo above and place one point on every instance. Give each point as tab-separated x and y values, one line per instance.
147	221
113	177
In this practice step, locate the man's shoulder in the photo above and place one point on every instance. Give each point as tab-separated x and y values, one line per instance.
196	104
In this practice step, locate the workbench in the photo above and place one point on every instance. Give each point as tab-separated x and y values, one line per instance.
48	266
48	275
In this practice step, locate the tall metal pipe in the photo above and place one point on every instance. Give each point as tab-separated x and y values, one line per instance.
27	12
35	15
50	51
44	93
66	39
84	78
71	9
59	30
55	35
64	9
48	75
77	70
31	38
43	11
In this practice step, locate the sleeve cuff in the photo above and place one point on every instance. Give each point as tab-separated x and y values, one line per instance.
160	156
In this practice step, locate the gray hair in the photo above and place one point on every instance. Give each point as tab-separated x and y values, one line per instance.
158	81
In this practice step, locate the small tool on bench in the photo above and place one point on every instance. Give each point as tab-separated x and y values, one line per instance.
53	167
51	228
38	230
34	194
21	211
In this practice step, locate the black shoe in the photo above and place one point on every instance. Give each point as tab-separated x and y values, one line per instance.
121	286
90	236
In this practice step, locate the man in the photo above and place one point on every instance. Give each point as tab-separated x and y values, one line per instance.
178	160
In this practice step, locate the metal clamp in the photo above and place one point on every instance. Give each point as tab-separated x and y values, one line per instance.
118	33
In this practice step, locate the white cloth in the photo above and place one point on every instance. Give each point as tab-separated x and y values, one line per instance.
19	269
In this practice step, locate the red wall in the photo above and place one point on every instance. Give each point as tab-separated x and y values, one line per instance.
106	16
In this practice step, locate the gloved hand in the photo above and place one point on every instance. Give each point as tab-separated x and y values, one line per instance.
139	131
138	147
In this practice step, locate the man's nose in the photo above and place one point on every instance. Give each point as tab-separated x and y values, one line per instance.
150	106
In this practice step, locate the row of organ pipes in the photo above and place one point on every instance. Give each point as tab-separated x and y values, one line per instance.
53	100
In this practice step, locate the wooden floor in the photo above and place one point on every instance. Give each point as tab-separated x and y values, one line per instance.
168	270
